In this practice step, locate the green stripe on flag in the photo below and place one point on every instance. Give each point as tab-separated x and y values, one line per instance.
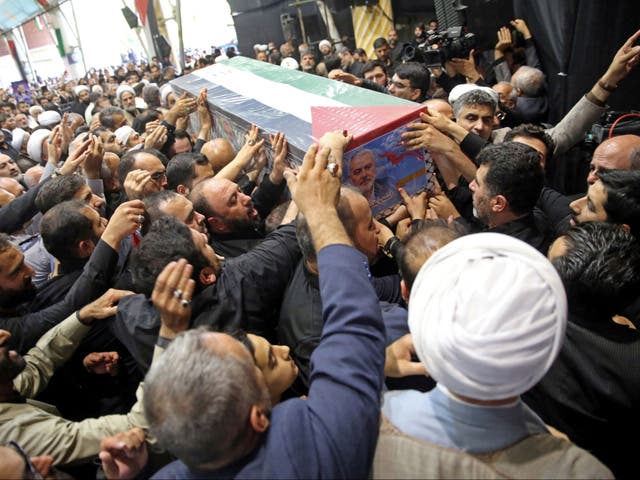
60	42
339	91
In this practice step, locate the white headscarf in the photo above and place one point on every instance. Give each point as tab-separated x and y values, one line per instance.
124	88
34	146
165	90
50	118
463	88
79	89
488	315
18	138
123	134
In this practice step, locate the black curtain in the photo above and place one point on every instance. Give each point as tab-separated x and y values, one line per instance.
576	40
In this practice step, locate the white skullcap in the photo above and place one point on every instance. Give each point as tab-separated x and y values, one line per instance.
463	88
35	110
165	90
324	42
18	138
123	133
79	89
34	146
50	118
488	315
124	88
289	63
97	89
219	58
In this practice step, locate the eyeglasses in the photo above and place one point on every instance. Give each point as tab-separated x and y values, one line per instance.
30	471
158	176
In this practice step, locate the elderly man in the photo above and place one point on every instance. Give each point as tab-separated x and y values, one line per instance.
142	172
362	175
618	153
485	348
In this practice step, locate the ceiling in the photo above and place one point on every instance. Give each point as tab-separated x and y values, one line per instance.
14	13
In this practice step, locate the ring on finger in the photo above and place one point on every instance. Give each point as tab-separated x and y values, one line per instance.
140	219
177	293
333	168
185	303
251	142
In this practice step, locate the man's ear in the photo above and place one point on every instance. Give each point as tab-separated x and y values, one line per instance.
217	225
519	90
626	228
499	203
86	248
182	190
415	95
207	276
258	418
404	290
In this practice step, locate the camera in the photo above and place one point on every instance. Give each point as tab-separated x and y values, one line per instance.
454	42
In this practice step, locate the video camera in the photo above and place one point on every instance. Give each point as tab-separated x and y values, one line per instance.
454	42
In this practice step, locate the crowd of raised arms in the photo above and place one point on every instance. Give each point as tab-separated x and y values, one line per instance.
174	307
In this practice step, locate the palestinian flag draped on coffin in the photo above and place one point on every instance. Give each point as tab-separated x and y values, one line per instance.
243	91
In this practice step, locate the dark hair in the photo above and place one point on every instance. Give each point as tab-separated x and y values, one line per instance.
181	169
199	200
380	42
332	61
515	173
600	268
183	134
371	65
422	242
417	75
153	204
168	240
106	117
58	190
623	198
63	227
149	115
474	97
529	130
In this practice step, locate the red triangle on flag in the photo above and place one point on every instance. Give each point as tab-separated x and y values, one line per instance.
364	123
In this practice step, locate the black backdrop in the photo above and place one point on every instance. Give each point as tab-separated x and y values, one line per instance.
576	39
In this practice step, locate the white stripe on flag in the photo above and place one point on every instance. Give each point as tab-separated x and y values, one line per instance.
279	96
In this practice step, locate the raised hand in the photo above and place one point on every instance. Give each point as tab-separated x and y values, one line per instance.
172	295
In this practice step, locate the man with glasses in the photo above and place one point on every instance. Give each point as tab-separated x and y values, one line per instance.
143	172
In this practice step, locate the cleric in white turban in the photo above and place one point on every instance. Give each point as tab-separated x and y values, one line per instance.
487	314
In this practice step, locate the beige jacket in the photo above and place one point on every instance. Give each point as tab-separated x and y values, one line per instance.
40	431
539	456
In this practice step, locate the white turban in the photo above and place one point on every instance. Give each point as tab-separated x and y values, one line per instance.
79	89
324	43
165	90
124	88
289	63
34	146
123	133
50	118
18	138
488	315
463	88
97	89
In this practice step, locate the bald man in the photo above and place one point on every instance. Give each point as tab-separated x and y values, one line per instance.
617	153
219	152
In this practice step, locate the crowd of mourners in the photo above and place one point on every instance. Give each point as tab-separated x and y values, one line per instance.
173	307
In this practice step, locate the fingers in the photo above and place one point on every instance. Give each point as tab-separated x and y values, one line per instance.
411	368
322	160
4	336
632	39
405	196
309	160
